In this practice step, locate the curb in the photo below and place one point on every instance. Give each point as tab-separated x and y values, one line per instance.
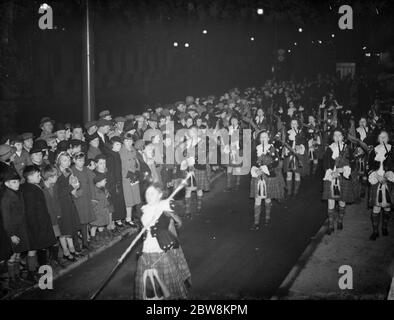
76	264
285	286
90	255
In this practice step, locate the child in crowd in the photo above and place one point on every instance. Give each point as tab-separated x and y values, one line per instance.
22	157
67	187
83	199
39	225
50	175
102	208
15	225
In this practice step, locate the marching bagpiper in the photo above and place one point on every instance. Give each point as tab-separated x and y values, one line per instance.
314	142
195	163
381	178
234	149
364	135
296	157
337	185
265	183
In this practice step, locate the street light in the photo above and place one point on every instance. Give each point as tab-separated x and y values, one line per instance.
333	35
175	44
260	11
299	29
251	38
204	31
186	45
295	43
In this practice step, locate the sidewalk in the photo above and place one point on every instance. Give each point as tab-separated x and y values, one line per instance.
372	262
124	233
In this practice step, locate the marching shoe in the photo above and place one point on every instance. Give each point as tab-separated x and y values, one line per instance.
374	236
330	230
340	226
267	222
385	232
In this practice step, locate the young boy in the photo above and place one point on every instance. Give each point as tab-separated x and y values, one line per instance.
101	207
39	225
13	216
22	157
49	175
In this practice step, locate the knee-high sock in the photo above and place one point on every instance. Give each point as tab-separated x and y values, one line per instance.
314	168
11	270
297	184
32	263
188	205
331	218
289	185
268	212
199	203
228	180
375	217
257	210
238	181
385	219
341	214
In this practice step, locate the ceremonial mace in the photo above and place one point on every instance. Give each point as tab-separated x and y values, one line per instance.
127	251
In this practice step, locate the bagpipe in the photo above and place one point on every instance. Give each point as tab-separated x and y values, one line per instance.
288	147
164	205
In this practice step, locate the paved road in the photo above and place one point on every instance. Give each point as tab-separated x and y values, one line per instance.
226	259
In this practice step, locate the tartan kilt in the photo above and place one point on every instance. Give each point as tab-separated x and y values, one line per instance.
372	201
170	273
304	159
275	188
202	181
346	190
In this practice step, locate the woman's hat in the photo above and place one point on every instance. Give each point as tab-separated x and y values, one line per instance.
6	152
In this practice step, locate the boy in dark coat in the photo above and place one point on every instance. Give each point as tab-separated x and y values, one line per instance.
14	221
40	231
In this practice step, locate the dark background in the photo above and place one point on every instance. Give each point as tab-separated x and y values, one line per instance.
136	63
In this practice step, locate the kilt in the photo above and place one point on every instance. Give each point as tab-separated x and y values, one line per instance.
170	273
373	197
304	159
202	181
275	188
346	190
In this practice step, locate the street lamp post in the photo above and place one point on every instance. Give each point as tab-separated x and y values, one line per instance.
87	66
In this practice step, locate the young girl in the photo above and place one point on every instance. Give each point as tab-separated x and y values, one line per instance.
69	223
83	199
381	178
337	185
15	225
265	184
158	257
